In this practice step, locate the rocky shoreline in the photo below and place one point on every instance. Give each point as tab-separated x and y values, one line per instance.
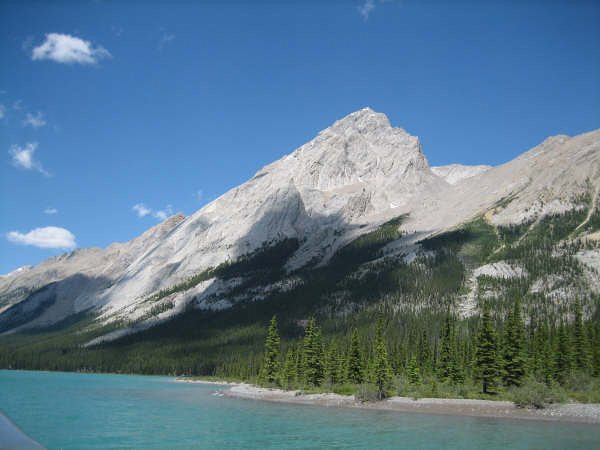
568	412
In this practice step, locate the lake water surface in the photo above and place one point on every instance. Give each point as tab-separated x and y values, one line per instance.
93	411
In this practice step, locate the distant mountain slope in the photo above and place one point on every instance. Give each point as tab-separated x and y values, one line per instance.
360	184
455	173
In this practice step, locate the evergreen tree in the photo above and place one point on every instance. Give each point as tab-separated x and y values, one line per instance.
544	354
299	365
446	362
514	360
288	373
486	355
342	367
595	340
424	351
355	373
382	371
313	355
332	365
564	355
414	377
458	373
580	341
270	368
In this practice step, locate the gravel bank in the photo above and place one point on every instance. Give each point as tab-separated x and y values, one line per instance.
570	412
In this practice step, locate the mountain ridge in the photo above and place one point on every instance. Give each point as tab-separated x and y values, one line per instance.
354	176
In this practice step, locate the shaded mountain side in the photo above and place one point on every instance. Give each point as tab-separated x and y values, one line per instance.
541	262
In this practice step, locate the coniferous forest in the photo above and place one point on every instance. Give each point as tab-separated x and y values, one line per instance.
373	323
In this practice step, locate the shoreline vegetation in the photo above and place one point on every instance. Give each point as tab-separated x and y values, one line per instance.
499	381
587	413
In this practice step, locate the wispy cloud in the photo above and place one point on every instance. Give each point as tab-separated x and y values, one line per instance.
366	8
18	105
141	210
161	214
51	211
34	120
67	49
2	111
27	44
117	31
23	158
46	237
165	39
199	194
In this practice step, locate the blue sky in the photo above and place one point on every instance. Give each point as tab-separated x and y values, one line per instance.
107	105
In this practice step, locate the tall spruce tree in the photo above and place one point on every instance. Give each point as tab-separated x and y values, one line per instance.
312	349
423	350
332	364
446	368
355	372
270	368
382	370
580	340
564	355
288	373
514	359
412	370
486	355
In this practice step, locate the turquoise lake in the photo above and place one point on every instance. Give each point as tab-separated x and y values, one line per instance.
93	411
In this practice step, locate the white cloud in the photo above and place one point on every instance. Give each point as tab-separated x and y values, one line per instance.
67	49
23	157
166	38
34	120
46	237
366	8
50	211
161	214
141	210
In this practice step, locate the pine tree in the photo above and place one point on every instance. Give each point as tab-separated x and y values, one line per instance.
342	367
564	355
414	377
382	371
544	354
486	355
424	352
332	365
514	360
595	340
270	368
355	373
288	373
458	373
447	364
313	355
580	341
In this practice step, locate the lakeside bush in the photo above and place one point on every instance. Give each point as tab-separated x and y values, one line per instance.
534	394
367	393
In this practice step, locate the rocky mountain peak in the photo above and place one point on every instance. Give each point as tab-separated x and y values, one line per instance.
362	121
363	145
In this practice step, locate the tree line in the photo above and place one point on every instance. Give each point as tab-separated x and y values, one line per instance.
492	355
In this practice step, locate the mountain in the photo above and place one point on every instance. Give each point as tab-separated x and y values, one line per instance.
359	199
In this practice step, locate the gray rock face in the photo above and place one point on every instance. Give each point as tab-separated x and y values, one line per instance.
454	173
349	179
